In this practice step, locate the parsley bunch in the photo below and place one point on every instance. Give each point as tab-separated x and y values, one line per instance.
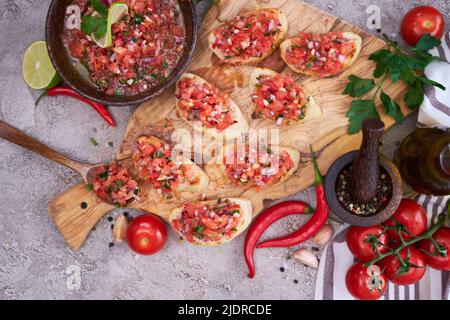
96	25
396	64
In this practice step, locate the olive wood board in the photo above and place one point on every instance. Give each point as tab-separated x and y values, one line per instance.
328	134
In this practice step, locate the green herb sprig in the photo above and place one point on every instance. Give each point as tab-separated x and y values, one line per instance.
96	25
395	64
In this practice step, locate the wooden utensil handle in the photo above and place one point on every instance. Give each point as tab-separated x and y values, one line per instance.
20	138
364	176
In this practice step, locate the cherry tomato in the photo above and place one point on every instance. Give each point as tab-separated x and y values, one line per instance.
365	283
146	234
439	262
412	216
421	21
393	271
361	248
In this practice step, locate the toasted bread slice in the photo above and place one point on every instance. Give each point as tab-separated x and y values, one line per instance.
232	132
196	183
219	171
313	110
277	39
245	218
287	44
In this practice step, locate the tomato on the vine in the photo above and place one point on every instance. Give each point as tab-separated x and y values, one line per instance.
359	241
421	21
412	216
146	234
410	271
436	259
365	283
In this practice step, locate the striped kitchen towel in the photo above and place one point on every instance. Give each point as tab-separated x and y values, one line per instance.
336	260
435	109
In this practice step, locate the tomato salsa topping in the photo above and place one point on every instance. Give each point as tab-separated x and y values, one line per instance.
248	36
323	54
147	44
208	222
154	164
204	102
279	97
258	169
113	183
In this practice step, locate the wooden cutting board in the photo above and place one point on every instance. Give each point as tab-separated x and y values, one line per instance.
328	135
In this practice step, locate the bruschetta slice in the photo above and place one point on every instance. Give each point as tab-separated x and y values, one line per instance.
212	223
198	100
250	37
321	55
166	172
278	97
244	165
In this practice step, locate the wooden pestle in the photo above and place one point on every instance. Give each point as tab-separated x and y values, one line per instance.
365	173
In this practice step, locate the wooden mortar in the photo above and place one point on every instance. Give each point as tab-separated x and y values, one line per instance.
364	178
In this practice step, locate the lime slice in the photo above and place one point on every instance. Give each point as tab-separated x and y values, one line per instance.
37	69
115	13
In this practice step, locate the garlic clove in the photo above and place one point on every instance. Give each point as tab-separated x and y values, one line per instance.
120	228
307	258
324	235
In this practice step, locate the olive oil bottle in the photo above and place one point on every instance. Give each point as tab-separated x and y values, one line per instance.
423	159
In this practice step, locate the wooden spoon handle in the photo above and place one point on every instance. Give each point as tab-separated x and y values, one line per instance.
75	212
20	138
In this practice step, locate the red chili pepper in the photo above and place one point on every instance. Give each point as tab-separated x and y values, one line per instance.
64	91
313	225
263	221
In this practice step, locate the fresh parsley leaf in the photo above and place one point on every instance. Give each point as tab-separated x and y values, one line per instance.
91	24
431	82
100	7
415	95
380	58
232	213
358	87
361	110
426	43
89	187
101	30
159	154
391	107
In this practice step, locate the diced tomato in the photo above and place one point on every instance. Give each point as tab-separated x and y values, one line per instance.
208	222
205	103
279	97
154	164
247	36
258	169
323	54
113	183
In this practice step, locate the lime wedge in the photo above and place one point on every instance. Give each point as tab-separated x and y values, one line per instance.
37	69
115	13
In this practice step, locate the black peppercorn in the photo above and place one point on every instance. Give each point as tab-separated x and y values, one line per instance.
84	205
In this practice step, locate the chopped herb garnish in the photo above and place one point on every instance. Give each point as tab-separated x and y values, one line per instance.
269	151
93	141
103	175
119	183
136	191
111	144
165	64
138	19
219	200
199	229
89	186
234	229
117	206
159	154
232	213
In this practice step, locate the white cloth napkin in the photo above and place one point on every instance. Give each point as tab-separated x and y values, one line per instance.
337	259
435	109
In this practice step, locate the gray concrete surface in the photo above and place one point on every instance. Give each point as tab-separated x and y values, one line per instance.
35	263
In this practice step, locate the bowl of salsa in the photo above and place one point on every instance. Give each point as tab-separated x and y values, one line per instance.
121	52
